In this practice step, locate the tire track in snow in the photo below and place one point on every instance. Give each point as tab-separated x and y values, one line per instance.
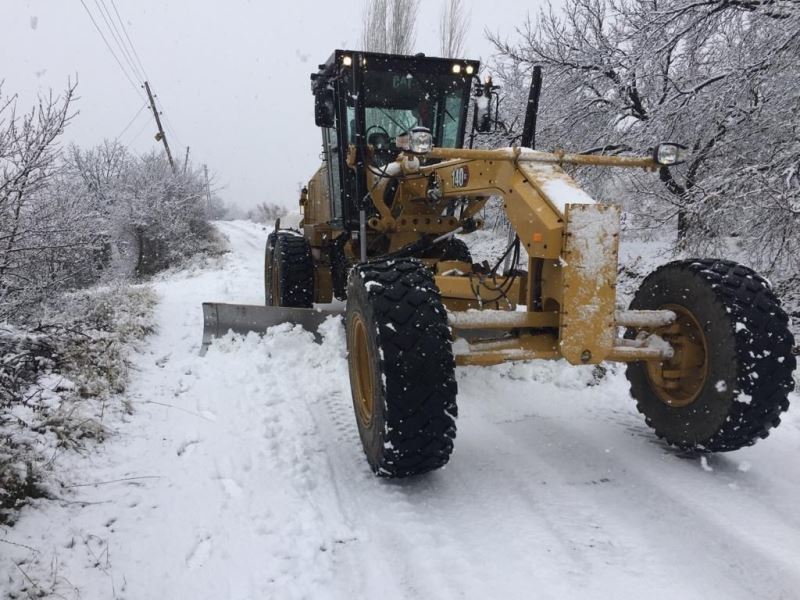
409	551
613	498
555	489
493	500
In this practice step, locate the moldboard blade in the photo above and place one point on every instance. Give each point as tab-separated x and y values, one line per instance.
220	318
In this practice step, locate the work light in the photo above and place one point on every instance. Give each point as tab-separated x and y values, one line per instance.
669	154
420	140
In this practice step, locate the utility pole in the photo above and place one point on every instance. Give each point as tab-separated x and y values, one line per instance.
208	189
186	160
160	136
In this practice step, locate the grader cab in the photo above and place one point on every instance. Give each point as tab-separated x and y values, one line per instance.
706	342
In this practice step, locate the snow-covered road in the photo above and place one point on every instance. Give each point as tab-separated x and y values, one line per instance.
240	475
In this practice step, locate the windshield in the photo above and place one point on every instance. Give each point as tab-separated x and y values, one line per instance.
396	102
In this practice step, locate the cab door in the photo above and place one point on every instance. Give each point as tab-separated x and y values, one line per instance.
330	149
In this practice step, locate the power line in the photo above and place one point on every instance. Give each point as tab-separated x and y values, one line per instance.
138	112
124	72
130	43
142	71
116	34
117	37
138	133
171	128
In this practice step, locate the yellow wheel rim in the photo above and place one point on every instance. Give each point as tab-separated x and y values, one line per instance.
678	381
361	371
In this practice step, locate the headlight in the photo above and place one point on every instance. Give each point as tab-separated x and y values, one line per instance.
420	140
669	154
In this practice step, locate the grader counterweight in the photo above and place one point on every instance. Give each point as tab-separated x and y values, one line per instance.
706	342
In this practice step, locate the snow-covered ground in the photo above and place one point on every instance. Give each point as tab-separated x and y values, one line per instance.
240	475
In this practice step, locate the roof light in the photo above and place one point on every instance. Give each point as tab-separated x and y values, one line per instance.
470	69
347	60
456	68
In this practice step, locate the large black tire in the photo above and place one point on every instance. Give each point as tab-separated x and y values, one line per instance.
402	370
288	271
747	363
269	250
452	249
340	268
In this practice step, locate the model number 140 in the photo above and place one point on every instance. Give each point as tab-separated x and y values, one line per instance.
460	177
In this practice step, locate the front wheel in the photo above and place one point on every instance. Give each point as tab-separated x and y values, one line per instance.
731	374
402	370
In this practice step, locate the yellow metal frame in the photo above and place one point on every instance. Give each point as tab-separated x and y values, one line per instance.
569	293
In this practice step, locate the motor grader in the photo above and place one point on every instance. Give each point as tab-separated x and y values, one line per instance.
706	342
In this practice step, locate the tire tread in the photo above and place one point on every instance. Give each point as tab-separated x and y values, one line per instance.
417	364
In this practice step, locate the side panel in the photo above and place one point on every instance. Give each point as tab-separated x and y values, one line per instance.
317	210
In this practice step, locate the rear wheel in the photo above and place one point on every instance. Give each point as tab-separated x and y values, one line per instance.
402	371
288	271
731	374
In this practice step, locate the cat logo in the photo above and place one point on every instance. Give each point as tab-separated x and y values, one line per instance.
460	177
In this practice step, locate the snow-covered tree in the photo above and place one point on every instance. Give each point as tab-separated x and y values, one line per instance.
453	25
719	77
266	212
31	229
389	26
69	218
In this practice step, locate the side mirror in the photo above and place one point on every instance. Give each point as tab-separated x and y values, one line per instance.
323	108
482	114
482	121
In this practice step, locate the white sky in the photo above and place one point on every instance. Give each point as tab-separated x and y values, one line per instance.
232	77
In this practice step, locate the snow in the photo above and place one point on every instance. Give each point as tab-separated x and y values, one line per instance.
562	192
558	187
645	318
240	475
594	232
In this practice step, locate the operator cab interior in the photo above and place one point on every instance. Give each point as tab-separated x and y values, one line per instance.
395	103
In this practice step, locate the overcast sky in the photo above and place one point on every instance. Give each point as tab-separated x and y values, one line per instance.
232	77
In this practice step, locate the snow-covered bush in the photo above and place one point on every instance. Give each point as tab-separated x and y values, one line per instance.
267	212
151	217
59	380
73	218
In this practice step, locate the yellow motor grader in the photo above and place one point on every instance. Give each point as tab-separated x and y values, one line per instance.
706	342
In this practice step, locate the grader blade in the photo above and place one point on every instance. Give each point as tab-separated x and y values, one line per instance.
219	319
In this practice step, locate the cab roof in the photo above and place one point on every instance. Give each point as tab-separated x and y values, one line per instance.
418	63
